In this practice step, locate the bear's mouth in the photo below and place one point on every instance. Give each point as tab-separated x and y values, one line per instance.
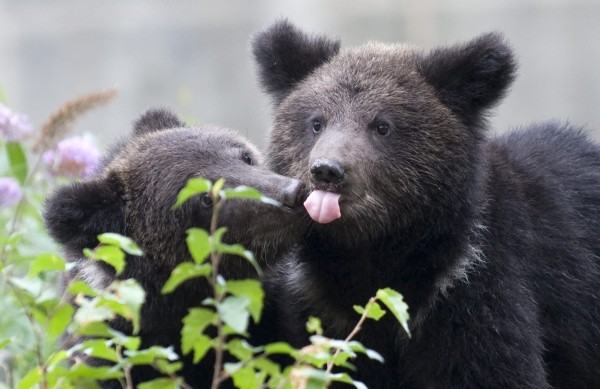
323	206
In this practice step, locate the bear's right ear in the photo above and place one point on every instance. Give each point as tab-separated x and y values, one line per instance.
470	77
156	120
285	55
77	213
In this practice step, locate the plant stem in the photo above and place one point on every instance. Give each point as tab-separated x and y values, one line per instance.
126	368
352	334
215	259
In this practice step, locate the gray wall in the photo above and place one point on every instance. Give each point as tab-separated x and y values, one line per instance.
193	56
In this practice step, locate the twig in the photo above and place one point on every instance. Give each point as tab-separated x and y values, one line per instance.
352	334
215	259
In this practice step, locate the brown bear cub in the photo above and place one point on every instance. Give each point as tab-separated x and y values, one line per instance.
494	241
133	194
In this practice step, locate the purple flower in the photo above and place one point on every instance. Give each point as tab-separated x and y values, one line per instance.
10	192
14	126
74	157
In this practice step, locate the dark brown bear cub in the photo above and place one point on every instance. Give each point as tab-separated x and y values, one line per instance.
133	194
493	241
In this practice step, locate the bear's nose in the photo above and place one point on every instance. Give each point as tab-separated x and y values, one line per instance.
327	171
294	194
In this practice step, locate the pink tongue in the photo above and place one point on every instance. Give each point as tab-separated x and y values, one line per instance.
323	206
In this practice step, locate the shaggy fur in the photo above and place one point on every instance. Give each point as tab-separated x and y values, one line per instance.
133	195
493	241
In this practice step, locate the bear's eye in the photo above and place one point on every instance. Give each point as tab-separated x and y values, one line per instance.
206	200
316	125
383	129
247	158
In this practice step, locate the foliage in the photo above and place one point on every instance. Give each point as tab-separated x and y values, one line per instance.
50	334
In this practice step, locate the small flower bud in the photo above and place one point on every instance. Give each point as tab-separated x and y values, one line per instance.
10	192
14	127
74	157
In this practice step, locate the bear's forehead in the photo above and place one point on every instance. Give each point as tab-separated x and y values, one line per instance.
373	68
368	79
373	61
194	146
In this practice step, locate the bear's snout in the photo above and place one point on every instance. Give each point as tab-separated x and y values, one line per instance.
294	195
327	171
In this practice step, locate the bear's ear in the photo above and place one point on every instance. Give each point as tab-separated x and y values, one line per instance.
285	55
156	120
77	213
471	77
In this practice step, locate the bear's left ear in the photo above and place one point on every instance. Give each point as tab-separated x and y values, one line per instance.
285	55
471	77
77	213
156	120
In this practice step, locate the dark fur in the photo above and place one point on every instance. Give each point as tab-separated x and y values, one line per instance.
133	195
493	242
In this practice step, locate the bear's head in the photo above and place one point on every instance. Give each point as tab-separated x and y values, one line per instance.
394	130
134	192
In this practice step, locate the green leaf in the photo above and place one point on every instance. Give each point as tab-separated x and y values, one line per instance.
46	262
57	358
161	383
4	343
123	242
239	250
96	329
130	296
374	310
267	366
90	312
198	242
60	320
97	348
217	186
100	373
129	342
111	255
183	272
313	378
166	367
193	187
33	377
250	289
245	378
149	355
360	348
200	346
279	348
233	311
33	287
240	349
241	192
395	303
17	161
80	287
313	326
344	377
192	337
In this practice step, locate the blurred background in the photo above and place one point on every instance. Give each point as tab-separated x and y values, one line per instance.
194	57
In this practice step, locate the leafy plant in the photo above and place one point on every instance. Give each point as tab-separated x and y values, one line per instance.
55	330
236	301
